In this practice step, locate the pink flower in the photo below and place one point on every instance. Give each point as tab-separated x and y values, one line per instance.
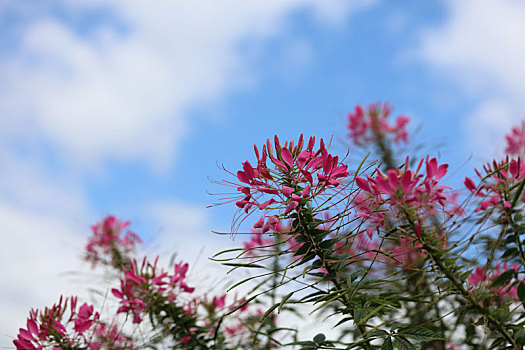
146	282
479	276
482	277
285	177
502	175
371	125
84	320
111	336
219	302
109	243
185	339
61	324
399	189
257	241
470	184
407	252
516	141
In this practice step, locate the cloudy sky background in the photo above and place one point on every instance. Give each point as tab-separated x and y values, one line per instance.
127	107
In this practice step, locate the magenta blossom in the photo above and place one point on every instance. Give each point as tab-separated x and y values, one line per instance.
493	190
401	189
63	326
482	277
142	282
257	241
110	242
371	125
516	141
284	179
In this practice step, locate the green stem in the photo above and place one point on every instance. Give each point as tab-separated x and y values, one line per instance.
386	153
459	286
329	269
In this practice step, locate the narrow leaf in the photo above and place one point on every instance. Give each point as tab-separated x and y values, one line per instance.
284	301
387	344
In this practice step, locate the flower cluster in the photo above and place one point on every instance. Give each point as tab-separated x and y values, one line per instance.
145	283
516	141
257	241
109	245
401	189
110	337
56	327
148	292
494	188
406	252
293	176
218	305
481	278
371	125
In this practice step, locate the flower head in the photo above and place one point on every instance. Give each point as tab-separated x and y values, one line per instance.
64	326
483	277
493	189
371	124
145	282
401	189
516	141
284	178
110	243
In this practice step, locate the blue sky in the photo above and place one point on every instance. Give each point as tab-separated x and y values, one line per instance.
126	108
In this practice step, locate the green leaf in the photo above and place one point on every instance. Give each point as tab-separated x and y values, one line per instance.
241	282
240	305
305	343
521	292
329	243
503	278
496	344
403	343
511	252
224	252
372	313
343	321
359	313
244	265
284	301
519	336
306	258
387	344
377	333
269	311
317	264
419	333
303	249
300	239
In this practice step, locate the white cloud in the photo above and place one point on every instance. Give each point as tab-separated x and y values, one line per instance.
487	124
186	231
35	251
125	94
25	183
480	45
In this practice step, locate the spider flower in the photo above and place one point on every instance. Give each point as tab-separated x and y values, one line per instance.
386	195
63	326
110	242
371	124
516	140
285	177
